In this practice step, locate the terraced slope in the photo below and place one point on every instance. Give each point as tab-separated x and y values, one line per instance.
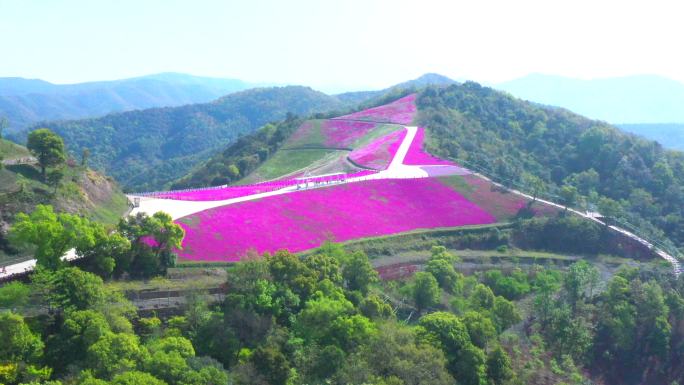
337	179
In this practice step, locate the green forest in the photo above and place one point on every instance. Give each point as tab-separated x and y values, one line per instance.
147	149
581	162
327	318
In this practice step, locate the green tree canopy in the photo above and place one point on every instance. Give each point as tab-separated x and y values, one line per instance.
47	147
52	234
425	290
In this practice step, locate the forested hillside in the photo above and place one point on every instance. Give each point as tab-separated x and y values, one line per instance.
514	141
326	318
145	150
27	101
69	187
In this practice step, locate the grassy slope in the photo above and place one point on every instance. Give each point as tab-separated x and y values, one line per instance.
317	158
287	161
9	150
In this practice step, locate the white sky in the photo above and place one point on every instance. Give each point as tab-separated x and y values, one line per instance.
339	45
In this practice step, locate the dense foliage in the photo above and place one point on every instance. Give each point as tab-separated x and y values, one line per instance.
242	157
326	318
142	246
622	175
144	150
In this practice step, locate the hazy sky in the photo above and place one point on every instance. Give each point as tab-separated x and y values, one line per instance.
335	45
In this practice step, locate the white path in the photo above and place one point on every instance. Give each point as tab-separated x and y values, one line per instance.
180	208
26	266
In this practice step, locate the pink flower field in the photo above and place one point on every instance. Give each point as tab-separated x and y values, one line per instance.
417	156
343	133
401	111
305	219
379	153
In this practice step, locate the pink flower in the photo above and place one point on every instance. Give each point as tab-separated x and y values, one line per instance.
401	111
379	153
303	220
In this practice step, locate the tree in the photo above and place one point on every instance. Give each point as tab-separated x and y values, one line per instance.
609	208
505	313
535	185
374	307
441	266
358	273
14	294
47	147
18	342
569	196
135	377
288	270
581	279
85	154
349	332
52	234
326	266
80	329
397	352
153	241
499	370
115	353
108	248
482	298
466	361
75	289
426	291
480	328
54	177
272	363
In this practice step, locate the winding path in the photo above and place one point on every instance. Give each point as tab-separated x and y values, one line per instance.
180	208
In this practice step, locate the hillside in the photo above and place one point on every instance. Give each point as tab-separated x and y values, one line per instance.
622	175
630	99
82	191
146	149
429	79
27	101
241	158
670	135
359	175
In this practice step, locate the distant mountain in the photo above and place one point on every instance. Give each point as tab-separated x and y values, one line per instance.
429	79
147	149
27	101
670	135
630	99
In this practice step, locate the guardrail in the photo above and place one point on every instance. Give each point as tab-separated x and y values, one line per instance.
667	252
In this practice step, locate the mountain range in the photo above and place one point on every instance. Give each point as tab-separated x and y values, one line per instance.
618	100
148	149
27	101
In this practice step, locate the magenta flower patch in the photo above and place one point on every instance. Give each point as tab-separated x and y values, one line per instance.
343	133
401	111
379	153
418	156
303	220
